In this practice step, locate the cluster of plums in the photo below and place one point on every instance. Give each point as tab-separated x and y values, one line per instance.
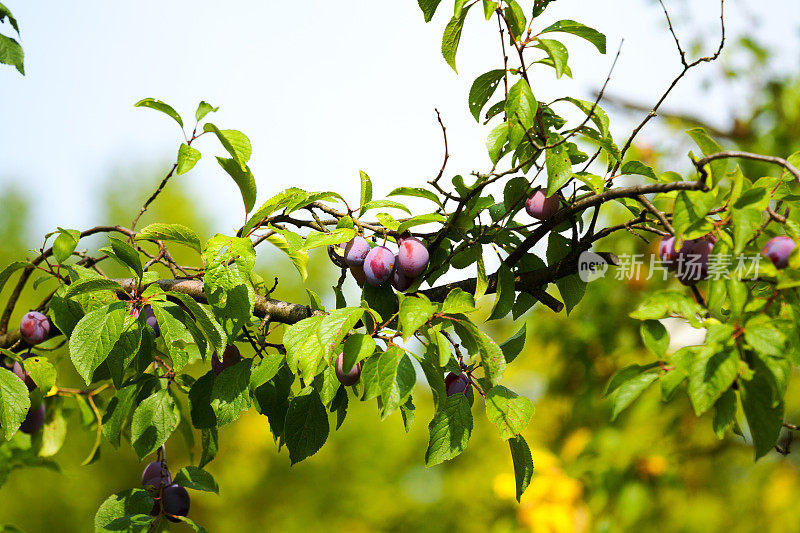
172	499
378	265
778	249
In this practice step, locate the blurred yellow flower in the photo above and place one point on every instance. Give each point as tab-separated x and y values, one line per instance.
575	443
652	466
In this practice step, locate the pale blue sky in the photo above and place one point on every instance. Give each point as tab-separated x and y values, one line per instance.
323	89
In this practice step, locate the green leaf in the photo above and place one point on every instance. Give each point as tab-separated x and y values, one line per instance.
428	8
380	204
572	288
299	258
5	13
187	158
205	320
396	378
764	338
153	422
492	359
557	53
84	285
171	233
724	413
516	19
419	220
711	375
316	239
496	140
306	426
417	192
520	109
196	478
629	391
505	293
458	301
449	430
414	312
42	372
230	394
366	189
523	463
666	304
482	90
127	254
235	143
172	321
576	28
514	344
126	503
11	53
9	270
356	348
158	105
489	8
764	418
65	244
559	168
452	36
482	281
94	337
719	168
204	109
638	168
745	224
625	374
14	402
508	411
655	336
244	180
117	411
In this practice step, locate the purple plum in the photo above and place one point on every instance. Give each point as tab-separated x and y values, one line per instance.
667	252
156	474
34	420
150	318
400	281
413	257
347	378
175	501
23	374
778	249
692	259
355	252
455	383
34	327
358	274
540	206
378	265
230	357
